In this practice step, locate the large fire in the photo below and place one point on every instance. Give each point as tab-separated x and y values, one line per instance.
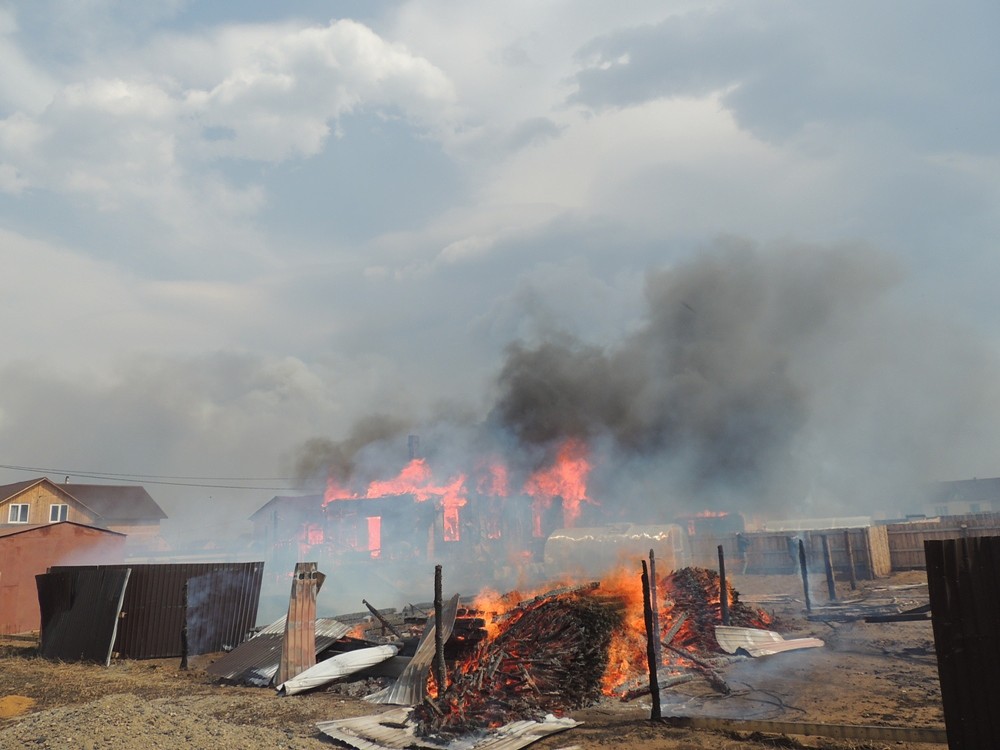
690	596
565	478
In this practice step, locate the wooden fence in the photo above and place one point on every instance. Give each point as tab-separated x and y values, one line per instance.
906	540
772	552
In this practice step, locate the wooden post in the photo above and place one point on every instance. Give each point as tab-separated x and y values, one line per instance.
831	584
805	574
439	665
850	560
723	586
654	681
184	630
654	603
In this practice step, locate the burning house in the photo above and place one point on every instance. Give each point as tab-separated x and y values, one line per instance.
469	516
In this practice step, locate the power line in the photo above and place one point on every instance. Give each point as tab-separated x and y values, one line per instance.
208	482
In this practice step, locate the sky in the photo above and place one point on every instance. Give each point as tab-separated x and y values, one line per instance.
747	250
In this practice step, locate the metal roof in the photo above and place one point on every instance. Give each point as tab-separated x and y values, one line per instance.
255	661
393	730
409	689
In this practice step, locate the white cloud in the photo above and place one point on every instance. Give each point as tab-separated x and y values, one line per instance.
141	143
198	187
23	85
284	87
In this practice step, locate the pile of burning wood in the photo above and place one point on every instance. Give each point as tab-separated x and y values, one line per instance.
513	659
549	657
695	593
551	654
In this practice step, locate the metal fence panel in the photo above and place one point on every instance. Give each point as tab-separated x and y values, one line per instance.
963	576
79	613
223	612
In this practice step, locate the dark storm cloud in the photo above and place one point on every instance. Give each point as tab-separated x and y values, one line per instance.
784	66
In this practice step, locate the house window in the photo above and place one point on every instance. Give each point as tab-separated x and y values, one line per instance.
58	513
18	513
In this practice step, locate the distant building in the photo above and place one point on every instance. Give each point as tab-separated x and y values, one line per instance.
127	509
963	496
397	528
27	550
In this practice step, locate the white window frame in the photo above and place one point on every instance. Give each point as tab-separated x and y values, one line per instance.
16	511
60	511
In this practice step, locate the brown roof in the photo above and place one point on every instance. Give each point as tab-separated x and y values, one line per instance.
117	502
9	490
110	502
21	528
296	502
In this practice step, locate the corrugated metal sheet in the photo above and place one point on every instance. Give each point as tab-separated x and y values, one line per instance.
337	667
222	601
80	613
411	686
222	608
963	576
393	731
758	642
255	662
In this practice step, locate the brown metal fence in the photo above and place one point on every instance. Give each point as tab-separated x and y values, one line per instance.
963	578
79	613
219	601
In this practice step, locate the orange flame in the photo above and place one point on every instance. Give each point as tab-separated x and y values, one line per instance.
493	479
566	478
375	536
627	660
336	491
416	479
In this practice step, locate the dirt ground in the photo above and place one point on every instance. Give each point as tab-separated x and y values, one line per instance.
867	674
